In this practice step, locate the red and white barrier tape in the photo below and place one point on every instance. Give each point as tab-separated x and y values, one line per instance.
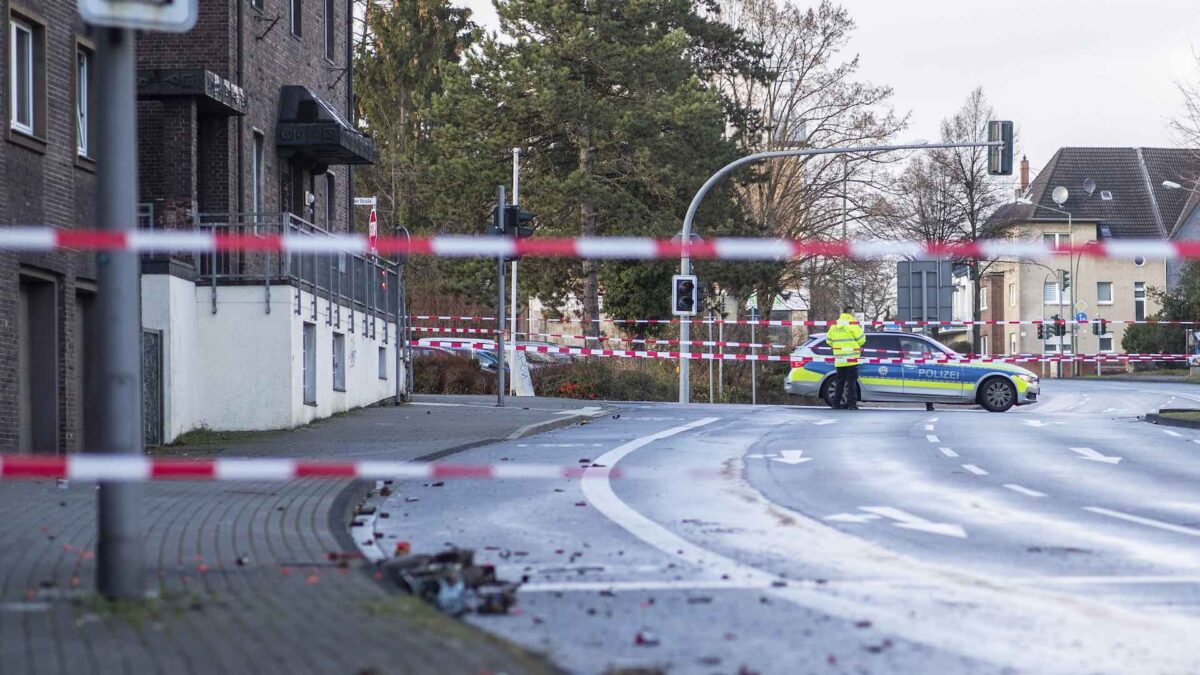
983	360
440	329
40	238
141	468
617	353
822	323
605	338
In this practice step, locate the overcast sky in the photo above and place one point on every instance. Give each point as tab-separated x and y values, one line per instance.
1068	72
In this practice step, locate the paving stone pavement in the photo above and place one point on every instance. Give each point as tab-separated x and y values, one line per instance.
241	572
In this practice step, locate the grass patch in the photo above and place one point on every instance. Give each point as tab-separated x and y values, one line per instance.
138	613
1189	416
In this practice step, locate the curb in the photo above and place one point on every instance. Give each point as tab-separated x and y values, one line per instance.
550	425
1155	418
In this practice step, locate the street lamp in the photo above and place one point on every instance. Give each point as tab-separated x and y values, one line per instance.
685	263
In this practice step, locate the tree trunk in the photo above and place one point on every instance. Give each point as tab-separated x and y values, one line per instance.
591	268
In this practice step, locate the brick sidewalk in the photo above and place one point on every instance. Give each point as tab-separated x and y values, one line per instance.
241	571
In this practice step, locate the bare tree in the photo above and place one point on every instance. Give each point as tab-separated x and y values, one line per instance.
810	99
1185	127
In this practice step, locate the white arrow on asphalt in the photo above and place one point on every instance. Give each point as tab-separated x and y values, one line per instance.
1088	453
1037	423
791	457
853	517
821	423
910	522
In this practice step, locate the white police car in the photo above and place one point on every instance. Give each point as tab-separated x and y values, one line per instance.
995	386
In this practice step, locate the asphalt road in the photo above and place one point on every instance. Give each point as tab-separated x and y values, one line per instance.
1059	537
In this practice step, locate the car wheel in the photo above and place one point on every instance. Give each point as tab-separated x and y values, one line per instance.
827	392
997	395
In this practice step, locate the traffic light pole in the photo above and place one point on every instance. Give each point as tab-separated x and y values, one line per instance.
500	309
116	372
685	263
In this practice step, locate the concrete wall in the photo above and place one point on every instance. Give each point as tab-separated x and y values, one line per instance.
242	368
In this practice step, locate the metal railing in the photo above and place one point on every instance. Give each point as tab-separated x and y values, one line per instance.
365	285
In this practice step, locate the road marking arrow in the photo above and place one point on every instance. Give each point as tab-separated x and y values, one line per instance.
908	521
821	423
791	457
1038	423
853	517
1088	453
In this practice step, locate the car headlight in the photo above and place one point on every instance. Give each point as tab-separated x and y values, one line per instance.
1029	379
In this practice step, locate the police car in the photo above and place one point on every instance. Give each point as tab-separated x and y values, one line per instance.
995	386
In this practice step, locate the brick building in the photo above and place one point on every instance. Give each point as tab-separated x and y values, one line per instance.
243	126
47	177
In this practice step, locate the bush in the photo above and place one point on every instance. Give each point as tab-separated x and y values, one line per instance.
961	346
451	374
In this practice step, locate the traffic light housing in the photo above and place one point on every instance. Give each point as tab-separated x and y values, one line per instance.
685	295
1041	331
1099	327
498	221
516	222
1060	328
1000	157
1064	279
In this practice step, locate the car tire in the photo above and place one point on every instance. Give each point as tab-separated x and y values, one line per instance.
997	394
827	390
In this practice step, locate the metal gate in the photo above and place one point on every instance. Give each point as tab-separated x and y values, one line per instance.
152	386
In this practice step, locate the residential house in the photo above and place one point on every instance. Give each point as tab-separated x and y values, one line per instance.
1111	194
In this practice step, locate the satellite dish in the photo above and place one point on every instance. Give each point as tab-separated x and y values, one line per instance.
1089	186
1060	195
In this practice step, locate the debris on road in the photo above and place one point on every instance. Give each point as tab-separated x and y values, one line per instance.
452	582
646	638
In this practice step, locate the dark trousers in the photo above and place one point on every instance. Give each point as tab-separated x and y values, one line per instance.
845	393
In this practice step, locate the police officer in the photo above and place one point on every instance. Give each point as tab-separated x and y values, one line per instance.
846	339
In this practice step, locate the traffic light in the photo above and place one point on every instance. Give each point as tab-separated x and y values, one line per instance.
685	295
1060	329
498	220
1000	157
1064	279
1041	331
516	222
1099	327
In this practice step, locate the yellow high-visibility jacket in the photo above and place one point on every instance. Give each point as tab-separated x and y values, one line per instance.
846	339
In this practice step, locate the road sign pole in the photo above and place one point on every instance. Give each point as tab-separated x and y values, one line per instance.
500	311
117	371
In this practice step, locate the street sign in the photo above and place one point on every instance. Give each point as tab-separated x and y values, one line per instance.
372	231
169	16
365	201
924	290
1081	316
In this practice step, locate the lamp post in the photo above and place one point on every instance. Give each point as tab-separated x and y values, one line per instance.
403	332
685	263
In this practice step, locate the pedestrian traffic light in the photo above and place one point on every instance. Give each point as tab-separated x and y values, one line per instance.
516	222
1099	327
685	295
1060	328
1000	157
1064	279
1041	332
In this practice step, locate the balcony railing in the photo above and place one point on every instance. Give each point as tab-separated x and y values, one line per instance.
365	286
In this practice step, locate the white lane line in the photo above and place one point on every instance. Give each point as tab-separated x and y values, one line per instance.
932	439
1024	490
928	427
974	469
948	452
648	585
1150	522
1110	580
1168	432
821	423
932	419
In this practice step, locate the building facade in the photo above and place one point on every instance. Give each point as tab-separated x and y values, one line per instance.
47	177
1111	194
244	127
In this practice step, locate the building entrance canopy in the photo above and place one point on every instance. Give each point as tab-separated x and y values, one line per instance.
308	126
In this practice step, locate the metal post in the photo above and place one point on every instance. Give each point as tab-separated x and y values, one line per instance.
516	171
721	352
753	362
711	389
500	313
117	372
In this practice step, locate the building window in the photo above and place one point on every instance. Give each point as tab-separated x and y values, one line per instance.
256	173
256	4
1104	294
330	201
1139	301
983	344
296	16
1050	294
310	364
1012	295
983	293
1012	343
330	30
83	102
22	76
1106	343
383	363
1056	239
339	362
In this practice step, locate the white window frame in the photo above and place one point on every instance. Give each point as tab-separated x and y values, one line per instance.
983	344
1110	285
1012	295
1100	342
983	297
1060	238
19	26
1012	343
1057	300
296	17
1139	300
339	362
83	108
383	363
